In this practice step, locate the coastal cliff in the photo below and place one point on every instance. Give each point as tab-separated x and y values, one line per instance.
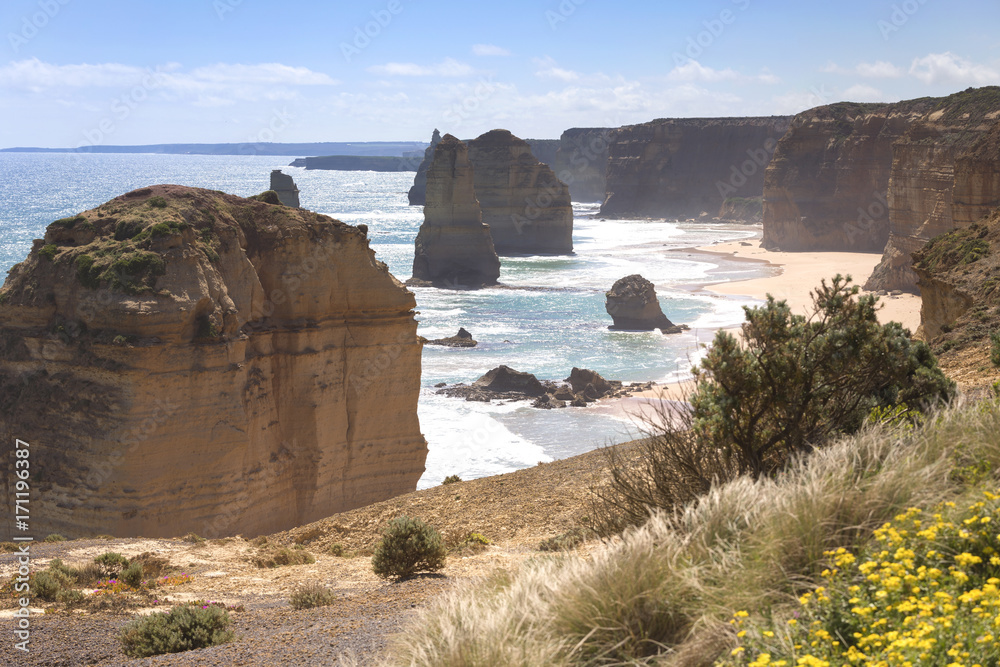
684	167
881	178
185	360
582	162
959	279
527	208
453	247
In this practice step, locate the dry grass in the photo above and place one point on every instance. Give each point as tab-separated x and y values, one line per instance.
663	593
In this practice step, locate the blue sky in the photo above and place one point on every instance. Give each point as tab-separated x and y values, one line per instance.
138	71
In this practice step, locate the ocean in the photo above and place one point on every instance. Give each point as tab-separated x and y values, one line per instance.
547	317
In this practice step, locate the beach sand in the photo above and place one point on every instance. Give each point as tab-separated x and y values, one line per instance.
801	272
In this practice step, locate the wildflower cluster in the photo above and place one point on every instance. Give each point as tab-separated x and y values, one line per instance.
924	591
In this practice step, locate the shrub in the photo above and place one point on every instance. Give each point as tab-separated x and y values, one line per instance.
49	251
995	348
451	479
55	537
133	575
153	566
45	585
157	202
790	386
408	546
71	597
337	550
111	564
184	628
283	556
312	595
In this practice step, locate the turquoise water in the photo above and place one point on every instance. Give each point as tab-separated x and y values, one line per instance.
547	316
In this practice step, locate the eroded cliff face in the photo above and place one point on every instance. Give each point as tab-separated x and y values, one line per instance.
582	162
526	207
418	191
945	175
881	178
453	247
684	167
959	279
184	360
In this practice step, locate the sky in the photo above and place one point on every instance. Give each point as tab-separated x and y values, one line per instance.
79	72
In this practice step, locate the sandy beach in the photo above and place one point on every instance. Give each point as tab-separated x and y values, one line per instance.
801	272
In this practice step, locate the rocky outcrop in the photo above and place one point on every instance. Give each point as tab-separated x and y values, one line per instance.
462	339
582	161
633	306
185	360
685	167
526	207
453	247
504	383
880	178
284	186
418	191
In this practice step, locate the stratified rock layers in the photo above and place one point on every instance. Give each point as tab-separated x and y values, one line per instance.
882	178
453	247
683	167
526	207
184	360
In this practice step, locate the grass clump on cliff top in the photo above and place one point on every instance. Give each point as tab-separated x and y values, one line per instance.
184	628
666	593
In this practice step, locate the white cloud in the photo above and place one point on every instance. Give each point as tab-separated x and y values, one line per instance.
692	71
447	67
489	50
863	93
268	73
548	69
879	69
948	68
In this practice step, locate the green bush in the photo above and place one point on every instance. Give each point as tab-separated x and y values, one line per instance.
49	251
55	537
157	202
133	575
184	628
789	386
111	564
995	348
283	556
46	585
565	541
451	479
408	546
312	595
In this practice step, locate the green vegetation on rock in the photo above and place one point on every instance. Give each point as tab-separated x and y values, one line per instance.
184	628
408	546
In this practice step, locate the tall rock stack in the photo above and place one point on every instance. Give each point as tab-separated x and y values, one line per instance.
181	360
453	247
418	191
526	207
284	186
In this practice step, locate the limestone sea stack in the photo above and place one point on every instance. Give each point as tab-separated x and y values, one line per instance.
417	195
182	360
633	306
284	186
453	247
527	208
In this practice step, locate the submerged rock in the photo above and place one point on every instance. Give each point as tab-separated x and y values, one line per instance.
462	339
183	360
